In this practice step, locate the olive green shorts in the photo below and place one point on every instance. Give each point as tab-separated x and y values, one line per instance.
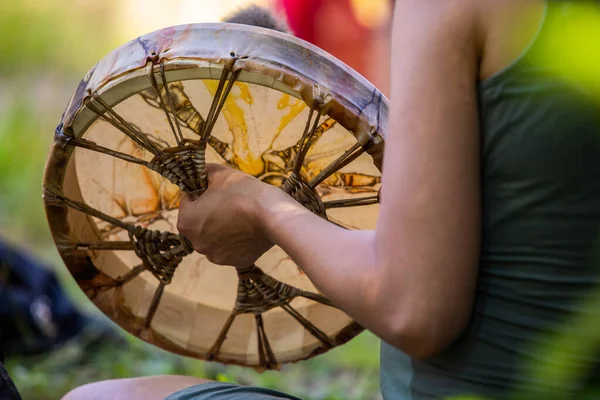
228	391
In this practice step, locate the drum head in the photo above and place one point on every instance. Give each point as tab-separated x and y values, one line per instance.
261	101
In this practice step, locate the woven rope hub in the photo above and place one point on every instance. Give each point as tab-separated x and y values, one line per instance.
184	166
259	293
140	130
304	194
162	252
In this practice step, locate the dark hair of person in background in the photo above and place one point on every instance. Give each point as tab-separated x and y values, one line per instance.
258	16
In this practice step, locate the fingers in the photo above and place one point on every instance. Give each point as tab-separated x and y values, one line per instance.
183	225
184	200
186	217
216	172
227	258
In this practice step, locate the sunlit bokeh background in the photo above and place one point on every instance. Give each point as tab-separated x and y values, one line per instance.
46	47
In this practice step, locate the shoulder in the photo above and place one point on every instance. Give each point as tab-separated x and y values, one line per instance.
459	15
438	24
508	27
497	31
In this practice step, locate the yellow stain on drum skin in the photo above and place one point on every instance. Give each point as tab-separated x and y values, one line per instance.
246	151
245	94
295	108
167	193
149	201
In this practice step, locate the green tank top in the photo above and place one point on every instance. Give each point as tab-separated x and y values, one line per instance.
540	158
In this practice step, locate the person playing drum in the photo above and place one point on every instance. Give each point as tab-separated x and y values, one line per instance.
489	216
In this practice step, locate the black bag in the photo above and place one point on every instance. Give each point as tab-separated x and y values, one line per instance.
35	313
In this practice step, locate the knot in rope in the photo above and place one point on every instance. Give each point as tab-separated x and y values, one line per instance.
184	166
161	252
258	292
303	194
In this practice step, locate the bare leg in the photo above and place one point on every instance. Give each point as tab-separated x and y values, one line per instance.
144	388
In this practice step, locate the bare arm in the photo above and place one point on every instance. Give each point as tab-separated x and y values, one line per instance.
411	281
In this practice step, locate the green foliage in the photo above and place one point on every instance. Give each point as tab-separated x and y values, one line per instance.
571	47
37	35
22	158
560	357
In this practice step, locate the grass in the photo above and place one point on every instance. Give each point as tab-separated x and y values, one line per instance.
349	372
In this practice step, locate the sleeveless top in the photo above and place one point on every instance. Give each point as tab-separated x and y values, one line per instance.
540	158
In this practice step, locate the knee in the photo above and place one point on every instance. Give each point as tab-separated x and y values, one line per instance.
147	388
96	390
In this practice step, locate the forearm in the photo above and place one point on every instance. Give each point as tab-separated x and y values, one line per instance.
341	263
394	290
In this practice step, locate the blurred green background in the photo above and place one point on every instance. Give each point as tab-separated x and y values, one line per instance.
47	46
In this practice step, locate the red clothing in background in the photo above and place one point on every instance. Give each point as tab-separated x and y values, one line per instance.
333	26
